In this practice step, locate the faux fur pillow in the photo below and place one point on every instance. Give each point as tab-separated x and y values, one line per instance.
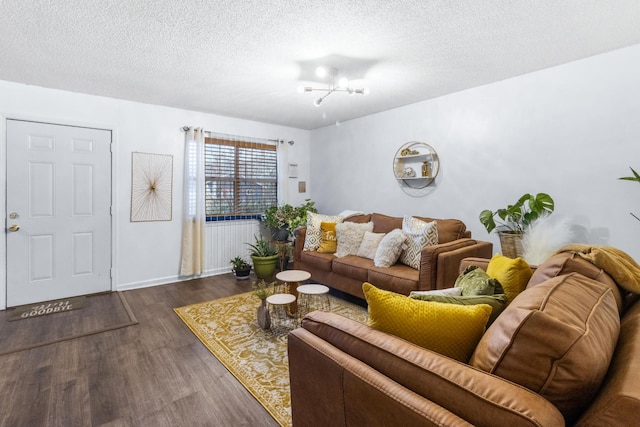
350	235
369	244
420	235
389	248
313	236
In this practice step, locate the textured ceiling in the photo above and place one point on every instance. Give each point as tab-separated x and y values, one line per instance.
246	58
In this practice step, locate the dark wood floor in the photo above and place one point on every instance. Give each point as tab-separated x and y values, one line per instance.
156	373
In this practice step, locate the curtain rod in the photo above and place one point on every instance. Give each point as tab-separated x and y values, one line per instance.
281	141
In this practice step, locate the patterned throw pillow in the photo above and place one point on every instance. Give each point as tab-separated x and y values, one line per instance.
350	235
313	236
420	235
474	281
369	245
328	241
449	329
389	248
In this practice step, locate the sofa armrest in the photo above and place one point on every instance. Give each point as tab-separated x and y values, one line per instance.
299	234
473	395
439	263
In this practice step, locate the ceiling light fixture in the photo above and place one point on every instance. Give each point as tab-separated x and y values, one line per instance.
335	85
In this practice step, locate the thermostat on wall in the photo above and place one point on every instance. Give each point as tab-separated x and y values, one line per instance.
293	170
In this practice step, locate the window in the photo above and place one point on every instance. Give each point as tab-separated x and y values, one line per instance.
241	179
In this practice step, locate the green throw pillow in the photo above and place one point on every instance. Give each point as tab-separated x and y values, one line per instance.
474	281
497	302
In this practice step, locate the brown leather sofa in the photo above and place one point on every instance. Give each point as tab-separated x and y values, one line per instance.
344	373
438	264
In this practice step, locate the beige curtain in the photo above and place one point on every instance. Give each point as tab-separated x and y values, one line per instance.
193	217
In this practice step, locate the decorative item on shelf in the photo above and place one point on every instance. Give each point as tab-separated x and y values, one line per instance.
635	177
414	156
426	172
409	152
283	219
515	219
241	268
337	83
262	290
409	173
264	257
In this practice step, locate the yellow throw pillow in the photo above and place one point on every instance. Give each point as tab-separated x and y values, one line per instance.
449	329
328	241
513	274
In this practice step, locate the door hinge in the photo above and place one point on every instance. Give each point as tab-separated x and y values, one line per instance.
111	273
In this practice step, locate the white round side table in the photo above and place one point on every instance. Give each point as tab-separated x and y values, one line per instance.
312	298
281	321
292	278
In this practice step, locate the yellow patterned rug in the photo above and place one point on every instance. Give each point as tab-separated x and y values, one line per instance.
257	358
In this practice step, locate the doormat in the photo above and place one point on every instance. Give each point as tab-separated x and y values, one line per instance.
43	308
102	312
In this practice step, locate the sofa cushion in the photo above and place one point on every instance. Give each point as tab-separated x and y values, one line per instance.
448	229
556	339
353	267
328	241
451	330
317	260
359	218
314	221
350	235
513	274
475	281
569	262
618	401
419	235
369	245
385	223
497	302
398	278
390	248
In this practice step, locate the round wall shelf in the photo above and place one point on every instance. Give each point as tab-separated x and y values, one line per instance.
416	164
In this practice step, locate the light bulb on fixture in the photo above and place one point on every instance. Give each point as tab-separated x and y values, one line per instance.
336	85
321	72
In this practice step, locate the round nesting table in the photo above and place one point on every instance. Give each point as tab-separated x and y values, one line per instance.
312	298
281	321
292	278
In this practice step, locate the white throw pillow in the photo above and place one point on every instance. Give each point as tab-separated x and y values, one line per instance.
389	248
449	292
349	236
369	244
313	236
420	235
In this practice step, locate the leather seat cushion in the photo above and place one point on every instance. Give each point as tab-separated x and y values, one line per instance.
557	339
353	267
319	260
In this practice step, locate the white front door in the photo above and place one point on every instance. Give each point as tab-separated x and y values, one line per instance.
58	218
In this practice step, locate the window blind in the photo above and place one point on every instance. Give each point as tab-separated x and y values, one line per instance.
241	177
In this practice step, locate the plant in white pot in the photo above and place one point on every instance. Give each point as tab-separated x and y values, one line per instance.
512	222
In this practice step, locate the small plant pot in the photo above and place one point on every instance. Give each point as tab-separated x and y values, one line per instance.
242	274
264	266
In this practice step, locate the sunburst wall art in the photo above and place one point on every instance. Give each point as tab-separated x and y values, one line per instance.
151	187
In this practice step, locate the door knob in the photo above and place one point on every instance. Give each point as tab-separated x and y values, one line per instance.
14	228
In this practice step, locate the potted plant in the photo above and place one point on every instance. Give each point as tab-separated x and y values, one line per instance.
635	177
262	290
264	257
512	222
283	219
241	268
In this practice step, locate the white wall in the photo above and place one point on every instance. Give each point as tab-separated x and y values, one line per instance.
144	253
569	131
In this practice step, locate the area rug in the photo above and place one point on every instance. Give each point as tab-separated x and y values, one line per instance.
257	358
